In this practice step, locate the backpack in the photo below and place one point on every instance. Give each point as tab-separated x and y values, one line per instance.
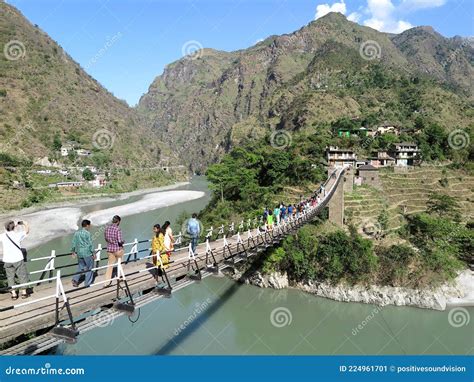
193	227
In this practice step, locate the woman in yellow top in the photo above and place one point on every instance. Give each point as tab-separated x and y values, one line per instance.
157	244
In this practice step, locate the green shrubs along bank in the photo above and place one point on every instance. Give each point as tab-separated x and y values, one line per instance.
436	249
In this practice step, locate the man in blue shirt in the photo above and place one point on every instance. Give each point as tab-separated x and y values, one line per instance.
194	230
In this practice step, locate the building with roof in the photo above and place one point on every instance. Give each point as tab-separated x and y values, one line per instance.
340	157
381	159
369	175
405	153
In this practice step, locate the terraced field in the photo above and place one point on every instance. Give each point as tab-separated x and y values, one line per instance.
407	193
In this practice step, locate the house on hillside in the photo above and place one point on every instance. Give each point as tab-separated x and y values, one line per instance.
381	159
369	175
72	146
66	185
348	131
339	157
99	181
405	153
387	128
66	149
83	153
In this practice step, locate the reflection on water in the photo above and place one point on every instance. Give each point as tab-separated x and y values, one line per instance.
219	316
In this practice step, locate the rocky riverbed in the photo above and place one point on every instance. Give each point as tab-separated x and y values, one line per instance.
459	292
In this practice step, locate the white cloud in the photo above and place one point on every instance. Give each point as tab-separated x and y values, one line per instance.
384	17
324	9
354	16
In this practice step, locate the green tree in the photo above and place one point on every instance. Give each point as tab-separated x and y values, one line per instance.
343	256
57	144
87	174
442	243
443	205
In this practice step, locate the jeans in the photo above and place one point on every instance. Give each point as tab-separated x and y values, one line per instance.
17	268
194	243
85	264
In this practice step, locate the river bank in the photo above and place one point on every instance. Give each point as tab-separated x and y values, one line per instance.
89	199
459	292
54	222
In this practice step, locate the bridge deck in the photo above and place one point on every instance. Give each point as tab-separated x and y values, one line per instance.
41	315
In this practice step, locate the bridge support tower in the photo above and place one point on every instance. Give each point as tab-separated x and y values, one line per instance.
336	204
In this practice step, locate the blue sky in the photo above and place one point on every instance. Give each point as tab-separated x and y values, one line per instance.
125	44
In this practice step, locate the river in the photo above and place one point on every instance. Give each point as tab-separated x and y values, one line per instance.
220	316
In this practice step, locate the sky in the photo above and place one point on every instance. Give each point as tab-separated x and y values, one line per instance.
125	44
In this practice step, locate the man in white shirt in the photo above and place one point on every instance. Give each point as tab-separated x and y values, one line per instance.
14	263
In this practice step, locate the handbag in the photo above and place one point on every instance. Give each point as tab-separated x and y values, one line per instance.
23	250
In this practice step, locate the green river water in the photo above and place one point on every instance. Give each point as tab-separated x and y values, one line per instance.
220	316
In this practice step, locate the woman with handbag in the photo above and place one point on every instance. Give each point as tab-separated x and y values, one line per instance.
14	256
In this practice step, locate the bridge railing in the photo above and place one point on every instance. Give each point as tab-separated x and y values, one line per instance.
263	234
134	250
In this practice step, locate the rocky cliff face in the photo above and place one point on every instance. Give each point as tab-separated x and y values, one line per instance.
204	104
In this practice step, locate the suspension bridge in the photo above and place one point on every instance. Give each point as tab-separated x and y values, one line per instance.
56	314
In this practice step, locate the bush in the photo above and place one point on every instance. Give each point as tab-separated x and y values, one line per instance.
393	264
442	243
334	257
87	174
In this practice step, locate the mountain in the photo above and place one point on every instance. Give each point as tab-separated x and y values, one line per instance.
45	95
206	103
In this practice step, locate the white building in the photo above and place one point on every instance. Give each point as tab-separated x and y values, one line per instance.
405	153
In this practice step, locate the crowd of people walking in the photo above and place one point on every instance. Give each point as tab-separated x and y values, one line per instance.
82	246
282	212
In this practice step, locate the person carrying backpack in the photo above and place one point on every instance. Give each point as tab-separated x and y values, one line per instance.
193	229
14	256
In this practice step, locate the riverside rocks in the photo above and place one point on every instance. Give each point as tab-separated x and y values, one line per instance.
454	293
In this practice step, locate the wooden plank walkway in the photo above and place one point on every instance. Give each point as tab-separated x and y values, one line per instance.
40	316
